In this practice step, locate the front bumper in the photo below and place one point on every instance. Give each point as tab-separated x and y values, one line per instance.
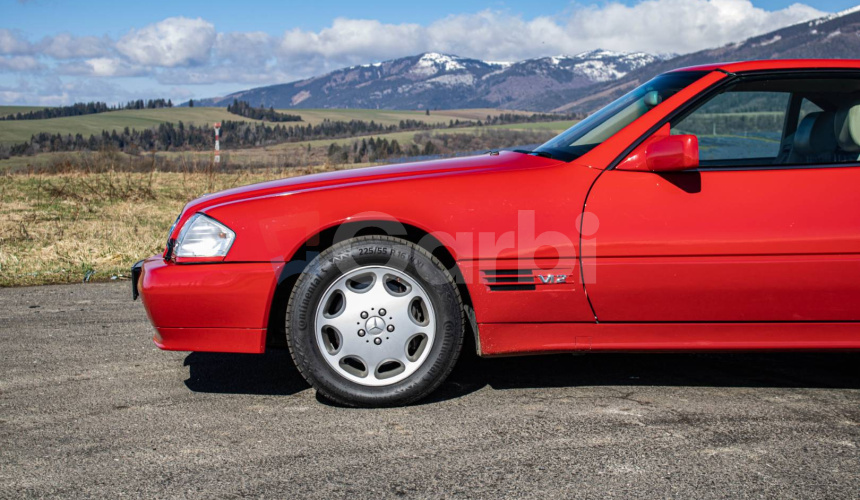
218	307
136	269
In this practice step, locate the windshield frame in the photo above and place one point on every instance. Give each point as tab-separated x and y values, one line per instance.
675	81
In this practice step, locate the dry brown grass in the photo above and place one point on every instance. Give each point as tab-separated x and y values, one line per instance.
63	228
66	217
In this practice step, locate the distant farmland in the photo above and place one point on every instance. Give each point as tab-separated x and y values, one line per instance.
309	152
11	110
18	131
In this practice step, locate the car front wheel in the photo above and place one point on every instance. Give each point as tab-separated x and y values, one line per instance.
375	321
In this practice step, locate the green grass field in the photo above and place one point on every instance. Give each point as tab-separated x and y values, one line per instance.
17	131
391	117
559	126
11	110
276	154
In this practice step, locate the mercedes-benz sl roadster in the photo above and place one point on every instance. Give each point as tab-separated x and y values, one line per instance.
711	208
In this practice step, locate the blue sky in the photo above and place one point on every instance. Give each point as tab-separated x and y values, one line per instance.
57	51
45	17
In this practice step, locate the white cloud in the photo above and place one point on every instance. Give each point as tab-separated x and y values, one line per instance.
109	66
680	26
173	42
11	96
12	43
246	49
222	73
20	64
61	46
657	26
52	91
179	52
102	67
354	40
66	46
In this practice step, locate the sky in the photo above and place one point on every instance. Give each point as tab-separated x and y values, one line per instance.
55	52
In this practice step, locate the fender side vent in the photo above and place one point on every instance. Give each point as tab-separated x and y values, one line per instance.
511	279
511	288
508	280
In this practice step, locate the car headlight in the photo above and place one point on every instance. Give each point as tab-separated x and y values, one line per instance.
203	236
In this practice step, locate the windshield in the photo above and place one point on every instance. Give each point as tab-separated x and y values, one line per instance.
587	134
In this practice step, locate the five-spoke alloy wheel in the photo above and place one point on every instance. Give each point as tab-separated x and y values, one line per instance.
375	321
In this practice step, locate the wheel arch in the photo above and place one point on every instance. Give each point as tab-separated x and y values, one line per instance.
326	238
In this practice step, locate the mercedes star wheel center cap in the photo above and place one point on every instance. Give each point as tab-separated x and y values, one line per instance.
375	325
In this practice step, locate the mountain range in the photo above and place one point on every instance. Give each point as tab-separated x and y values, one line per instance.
581	83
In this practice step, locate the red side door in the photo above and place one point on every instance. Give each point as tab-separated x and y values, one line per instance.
767	229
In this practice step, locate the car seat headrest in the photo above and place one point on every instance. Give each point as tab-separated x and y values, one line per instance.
815	134
847	128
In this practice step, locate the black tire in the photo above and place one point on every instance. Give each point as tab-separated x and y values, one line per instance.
407	257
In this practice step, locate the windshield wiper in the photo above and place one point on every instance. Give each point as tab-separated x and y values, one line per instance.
543	154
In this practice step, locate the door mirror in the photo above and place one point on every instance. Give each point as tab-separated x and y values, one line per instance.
672	153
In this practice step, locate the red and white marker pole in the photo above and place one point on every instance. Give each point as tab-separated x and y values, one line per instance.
217	143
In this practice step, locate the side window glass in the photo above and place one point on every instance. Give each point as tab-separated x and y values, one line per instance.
807	107
738	127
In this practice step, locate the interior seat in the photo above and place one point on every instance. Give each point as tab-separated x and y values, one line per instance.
815	139
847	130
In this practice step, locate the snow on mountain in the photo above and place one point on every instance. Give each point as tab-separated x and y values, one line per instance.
436	80
432	62
603	65
579	82
835	36
835	15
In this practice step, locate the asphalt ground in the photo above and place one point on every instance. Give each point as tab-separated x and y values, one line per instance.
89	407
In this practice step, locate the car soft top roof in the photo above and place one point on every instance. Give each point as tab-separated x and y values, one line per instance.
776	64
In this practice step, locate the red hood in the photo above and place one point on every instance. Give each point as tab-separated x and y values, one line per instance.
504	160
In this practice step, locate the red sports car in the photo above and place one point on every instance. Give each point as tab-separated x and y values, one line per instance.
713	207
